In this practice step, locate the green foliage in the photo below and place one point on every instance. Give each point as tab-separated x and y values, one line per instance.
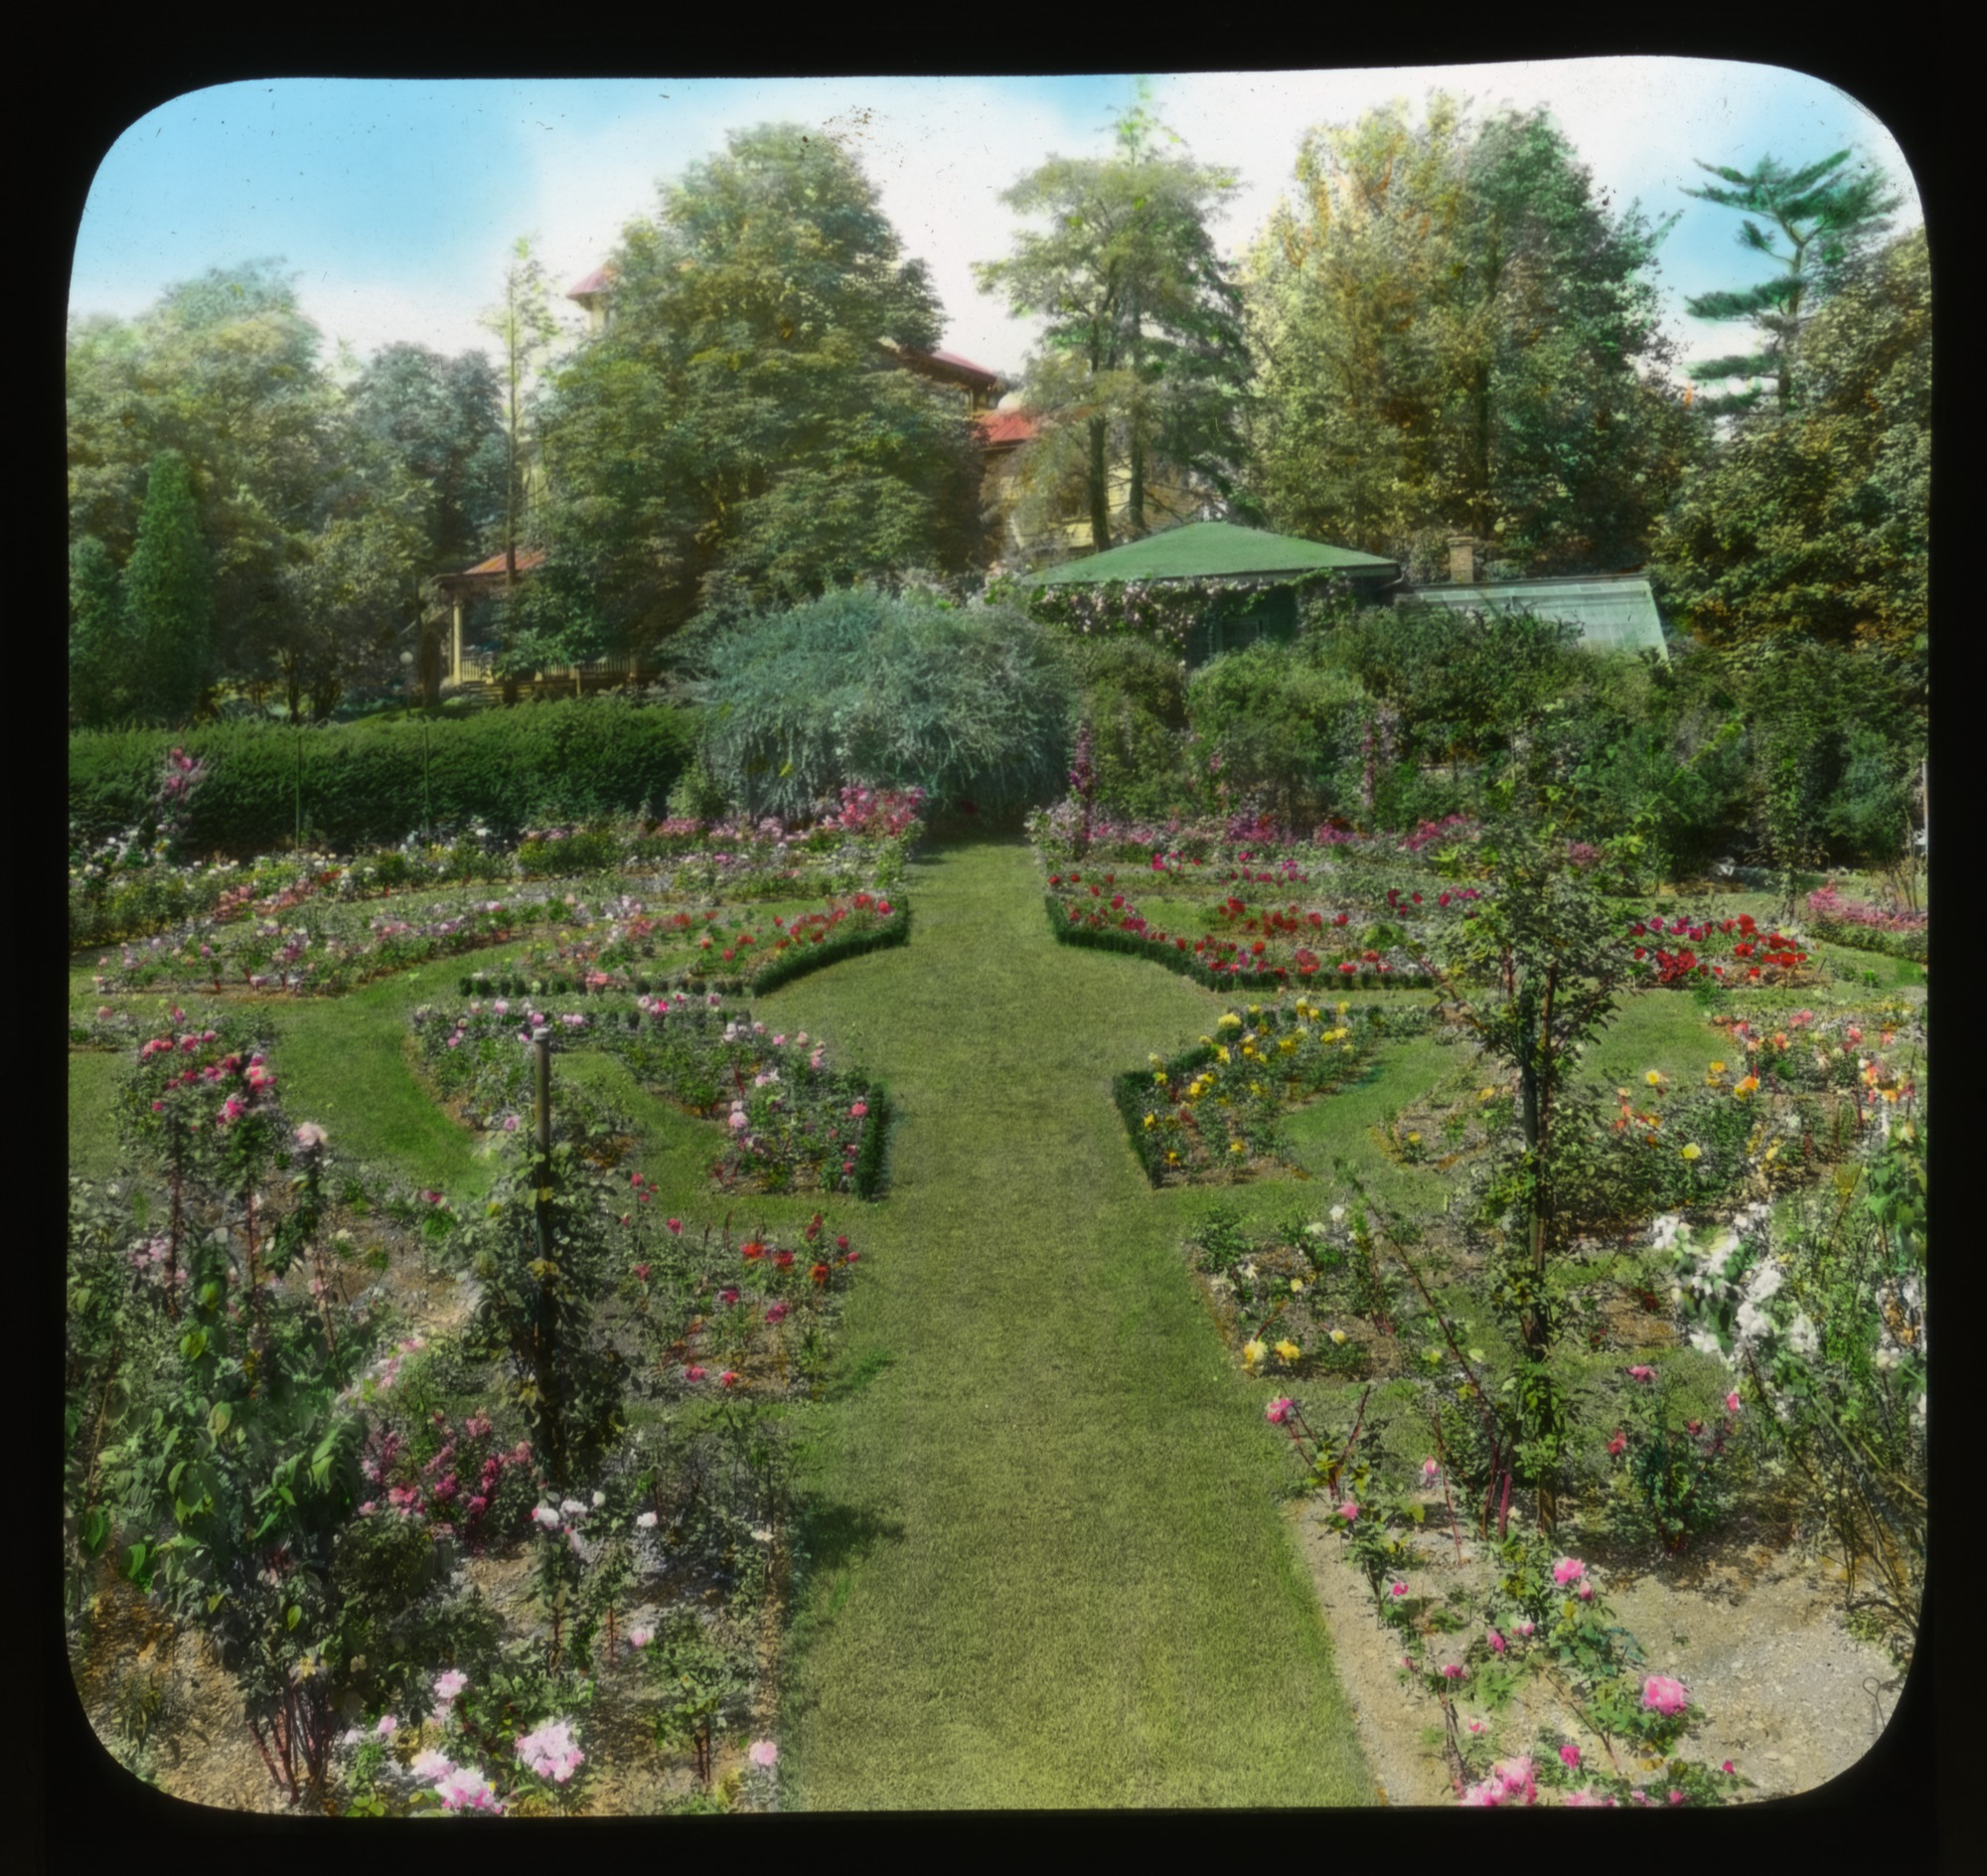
541	1256
169	596
1450	330
225	371
860	688
102	666
1285	730
1459	686
1134	697
1825	216
1817	523
740	433
377	782
1143	356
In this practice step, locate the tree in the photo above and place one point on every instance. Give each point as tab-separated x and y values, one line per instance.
169	596
1825	216
1818	523
224	372
1452	329
1144	357
100	646
440	425
526	328
741	434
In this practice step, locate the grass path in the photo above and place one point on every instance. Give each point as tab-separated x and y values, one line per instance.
1049	1568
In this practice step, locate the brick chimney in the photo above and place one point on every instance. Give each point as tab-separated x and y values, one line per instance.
1462	559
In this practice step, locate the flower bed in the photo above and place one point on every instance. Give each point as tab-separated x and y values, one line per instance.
1769	956
1866	927
1213	1111
640	949
794	1124
1273	948
331	949
123	889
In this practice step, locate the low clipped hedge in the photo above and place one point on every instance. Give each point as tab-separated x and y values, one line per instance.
876	1135
1913	945
364	784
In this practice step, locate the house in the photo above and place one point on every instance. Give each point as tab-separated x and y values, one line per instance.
1614	611
1241	561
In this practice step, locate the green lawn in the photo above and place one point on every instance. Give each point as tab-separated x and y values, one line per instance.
1049	1564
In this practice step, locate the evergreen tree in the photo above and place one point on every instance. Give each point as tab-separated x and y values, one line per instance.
1144	359
1825	216
169	596
99	649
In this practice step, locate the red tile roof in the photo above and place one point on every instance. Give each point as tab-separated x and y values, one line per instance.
999	428
599	281
528	558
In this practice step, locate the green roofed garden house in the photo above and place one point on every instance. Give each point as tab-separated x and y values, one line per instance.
1230	560
1613	611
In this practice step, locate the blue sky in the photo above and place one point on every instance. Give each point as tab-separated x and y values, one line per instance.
395	202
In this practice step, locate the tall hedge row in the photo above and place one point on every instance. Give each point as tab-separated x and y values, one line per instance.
362	784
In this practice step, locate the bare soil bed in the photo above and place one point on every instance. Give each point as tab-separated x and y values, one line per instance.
1752	1628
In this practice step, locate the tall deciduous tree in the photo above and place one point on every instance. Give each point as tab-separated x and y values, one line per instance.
1144	357
1824	215
1454	330
169	596
741	432
526	330
433	450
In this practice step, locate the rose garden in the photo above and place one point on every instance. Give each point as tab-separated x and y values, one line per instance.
661	1314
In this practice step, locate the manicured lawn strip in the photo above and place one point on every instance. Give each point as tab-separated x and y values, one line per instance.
1049	1566
1340	1126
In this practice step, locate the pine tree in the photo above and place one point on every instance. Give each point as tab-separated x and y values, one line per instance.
99	647
1827	216
169	596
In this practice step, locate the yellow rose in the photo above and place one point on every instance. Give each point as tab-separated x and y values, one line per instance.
1151	1120
1653	1080
1230	1022
1254	1351
1338	1335
1691	1153
1289	1350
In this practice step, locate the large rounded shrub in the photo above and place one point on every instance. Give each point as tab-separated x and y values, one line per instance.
1135	701
1286	730
858	687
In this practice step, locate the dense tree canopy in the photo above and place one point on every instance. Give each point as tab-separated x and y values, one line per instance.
1817	523
1143	359
169	596
740	432
319	510
1451	331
